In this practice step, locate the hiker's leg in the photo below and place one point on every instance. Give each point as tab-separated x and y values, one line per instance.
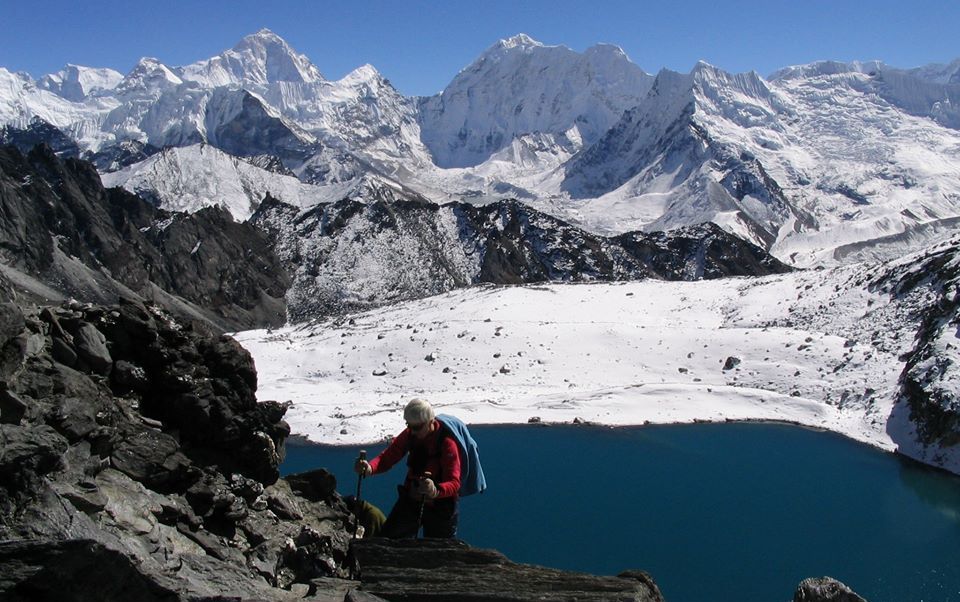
440	521
372	520
402	522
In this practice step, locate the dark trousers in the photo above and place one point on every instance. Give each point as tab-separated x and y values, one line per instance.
439	517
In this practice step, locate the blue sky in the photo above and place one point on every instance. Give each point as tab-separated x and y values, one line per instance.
421	45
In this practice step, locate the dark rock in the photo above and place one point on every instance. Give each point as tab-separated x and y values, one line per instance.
12	408
451	570
284	507
507	241
87	501
315	485
248	489
731	363
154	459
11	322
28	453
925	383
824	589
39	131
63	352
128	377
359	596
92	348
73	418
73	571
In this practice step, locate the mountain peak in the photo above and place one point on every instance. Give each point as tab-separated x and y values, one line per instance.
149	74
262	38
521	40
611	50
363	74
260	58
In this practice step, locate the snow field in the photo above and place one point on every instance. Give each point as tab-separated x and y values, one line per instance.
614	354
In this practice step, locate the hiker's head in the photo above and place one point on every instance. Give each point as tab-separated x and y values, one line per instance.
419	417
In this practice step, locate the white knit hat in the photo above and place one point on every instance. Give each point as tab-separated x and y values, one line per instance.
418	411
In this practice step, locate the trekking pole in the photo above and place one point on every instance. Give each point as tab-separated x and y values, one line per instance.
356	527
423	502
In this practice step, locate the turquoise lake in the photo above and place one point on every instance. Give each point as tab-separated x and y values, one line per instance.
714	512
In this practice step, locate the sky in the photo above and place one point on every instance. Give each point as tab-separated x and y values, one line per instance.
421	45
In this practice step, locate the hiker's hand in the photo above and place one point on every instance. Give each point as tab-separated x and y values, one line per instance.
362	468
427	488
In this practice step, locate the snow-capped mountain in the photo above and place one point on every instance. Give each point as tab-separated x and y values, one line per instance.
192	177
519	86
75	82
262	58
822	163
816	167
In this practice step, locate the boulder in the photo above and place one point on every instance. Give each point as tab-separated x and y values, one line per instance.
154	459
63	352
438	569
315	485
28	453
824	589
12	408
92	348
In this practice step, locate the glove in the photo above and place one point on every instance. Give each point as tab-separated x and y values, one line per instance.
427	488
362	467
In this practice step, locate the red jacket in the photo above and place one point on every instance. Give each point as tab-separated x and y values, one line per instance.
445	466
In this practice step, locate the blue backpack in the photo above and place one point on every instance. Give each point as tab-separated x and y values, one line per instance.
471	473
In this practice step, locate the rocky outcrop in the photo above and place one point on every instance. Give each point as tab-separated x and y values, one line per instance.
349	255
824	589
63	235
133	444
927	383
37	132
451	570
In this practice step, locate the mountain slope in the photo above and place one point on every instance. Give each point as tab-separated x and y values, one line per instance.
812	167
519	86
354	255
63	235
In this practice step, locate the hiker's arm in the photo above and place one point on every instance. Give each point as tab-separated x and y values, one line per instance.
450	459
390	456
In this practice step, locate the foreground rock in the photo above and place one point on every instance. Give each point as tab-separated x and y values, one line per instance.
451	570
136	464
824	589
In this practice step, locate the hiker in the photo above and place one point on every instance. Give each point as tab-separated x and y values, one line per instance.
429	496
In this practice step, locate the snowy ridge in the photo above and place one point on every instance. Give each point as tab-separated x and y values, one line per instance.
75	82
190	178
819	348
193	177
821	164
